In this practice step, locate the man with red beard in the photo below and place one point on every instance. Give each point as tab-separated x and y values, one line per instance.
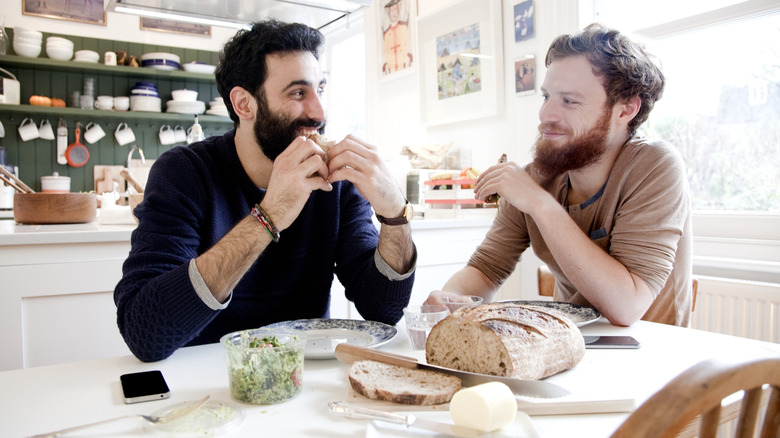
607	210
249	228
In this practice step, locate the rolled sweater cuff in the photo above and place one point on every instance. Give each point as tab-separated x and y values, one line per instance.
203	290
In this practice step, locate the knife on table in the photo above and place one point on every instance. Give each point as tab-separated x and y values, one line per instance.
408	420
350	353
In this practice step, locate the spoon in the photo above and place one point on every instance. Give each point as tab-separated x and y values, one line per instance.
167	418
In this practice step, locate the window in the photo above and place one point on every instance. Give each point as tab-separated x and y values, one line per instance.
721	104
344	63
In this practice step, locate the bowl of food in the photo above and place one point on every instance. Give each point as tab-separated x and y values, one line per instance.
265	365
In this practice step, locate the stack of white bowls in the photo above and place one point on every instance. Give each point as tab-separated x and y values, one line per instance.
27	42
145	97
59	48
185	102
160	61
217	108
87	56
199	67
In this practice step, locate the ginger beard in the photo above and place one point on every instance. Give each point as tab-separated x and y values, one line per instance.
275	131
551	159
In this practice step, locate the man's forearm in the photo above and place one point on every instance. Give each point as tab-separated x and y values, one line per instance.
224	264
396	247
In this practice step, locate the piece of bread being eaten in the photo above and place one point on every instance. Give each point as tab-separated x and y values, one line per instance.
322	142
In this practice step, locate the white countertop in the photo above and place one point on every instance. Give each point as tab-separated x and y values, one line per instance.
12	233
36	400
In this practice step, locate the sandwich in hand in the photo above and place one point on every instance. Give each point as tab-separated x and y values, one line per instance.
322	142
495	196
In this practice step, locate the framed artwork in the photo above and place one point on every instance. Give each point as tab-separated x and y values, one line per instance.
397	24
83	11
160	25
461	62
524	21
525	75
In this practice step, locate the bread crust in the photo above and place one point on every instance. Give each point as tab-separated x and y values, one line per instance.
506	339
322	142
381	381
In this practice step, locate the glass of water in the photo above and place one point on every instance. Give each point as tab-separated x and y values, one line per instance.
419	322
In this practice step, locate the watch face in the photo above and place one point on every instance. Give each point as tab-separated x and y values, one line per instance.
409	212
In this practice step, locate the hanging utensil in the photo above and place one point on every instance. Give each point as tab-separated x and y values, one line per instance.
62	142
77	154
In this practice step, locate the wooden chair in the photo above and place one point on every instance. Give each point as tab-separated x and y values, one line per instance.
547	284
691	404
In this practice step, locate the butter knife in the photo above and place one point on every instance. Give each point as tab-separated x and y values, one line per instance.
408	420
350	353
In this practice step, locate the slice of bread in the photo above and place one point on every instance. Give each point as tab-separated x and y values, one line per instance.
381	381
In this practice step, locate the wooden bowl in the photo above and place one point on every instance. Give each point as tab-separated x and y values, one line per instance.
55	208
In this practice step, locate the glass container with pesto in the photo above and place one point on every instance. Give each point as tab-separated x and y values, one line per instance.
265	366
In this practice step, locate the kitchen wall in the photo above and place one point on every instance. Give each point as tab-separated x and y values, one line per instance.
118	27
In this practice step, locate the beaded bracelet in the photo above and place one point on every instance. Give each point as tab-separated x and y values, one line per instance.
263	218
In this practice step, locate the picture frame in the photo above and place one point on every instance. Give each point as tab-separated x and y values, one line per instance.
525	75
524	20
397	27
461	62
171	26
86	11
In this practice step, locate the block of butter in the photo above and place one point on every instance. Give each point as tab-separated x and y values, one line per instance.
486	407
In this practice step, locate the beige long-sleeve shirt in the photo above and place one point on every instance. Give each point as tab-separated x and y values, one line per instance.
641	217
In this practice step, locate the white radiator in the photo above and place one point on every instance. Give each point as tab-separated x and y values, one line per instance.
739	308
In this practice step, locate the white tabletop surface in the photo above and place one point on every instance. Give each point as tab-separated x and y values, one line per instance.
37	400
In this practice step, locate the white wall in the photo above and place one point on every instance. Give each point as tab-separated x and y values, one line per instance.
394	114
118	27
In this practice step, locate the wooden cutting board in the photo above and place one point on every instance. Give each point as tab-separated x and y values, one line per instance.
105	176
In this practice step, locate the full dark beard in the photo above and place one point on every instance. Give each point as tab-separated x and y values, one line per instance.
274	132
551	159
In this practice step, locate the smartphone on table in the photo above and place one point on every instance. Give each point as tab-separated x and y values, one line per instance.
610	342
144	386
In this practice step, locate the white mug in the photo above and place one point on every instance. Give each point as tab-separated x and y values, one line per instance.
121	103
167	135
124	134
109	58
93	132
45	131
28	130
2	130
104	103
180	133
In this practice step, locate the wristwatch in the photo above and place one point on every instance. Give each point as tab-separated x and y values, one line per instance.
404	219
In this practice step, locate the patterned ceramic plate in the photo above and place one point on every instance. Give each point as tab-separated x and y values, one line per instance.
322	335
579	314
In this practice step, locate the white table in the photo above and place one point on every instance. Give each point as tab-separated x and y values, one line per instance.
37	400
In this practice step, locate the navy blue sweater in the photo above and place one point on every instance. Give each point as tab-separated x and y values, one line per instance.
197	194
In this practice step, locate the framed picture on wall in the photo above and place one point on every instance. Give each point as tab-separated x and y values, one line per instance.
159	25
397	24
461	62
82	11
524	21
525	75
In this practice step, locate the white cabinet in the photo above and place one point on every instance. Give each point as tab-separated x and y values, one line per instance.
56	300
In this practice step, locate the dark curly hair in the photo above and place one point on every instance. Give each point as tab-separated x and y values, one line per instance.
626	67
242	59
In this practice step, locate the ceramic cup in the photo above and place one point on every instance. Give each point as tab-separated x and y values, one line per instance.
45	131
28	130
104	103
180	133
167	135
93	132
2	130
124	134
109	58
121	103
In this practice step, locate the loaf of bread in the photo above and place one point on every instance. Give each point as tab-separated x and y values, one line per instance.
381	381
506	339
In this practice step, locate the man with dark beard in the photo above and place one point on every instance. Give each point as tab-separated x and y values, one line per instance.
248	228
608	211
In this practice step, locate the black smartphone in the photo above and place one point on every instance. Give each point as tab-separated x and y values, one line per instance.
610	342
144	386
